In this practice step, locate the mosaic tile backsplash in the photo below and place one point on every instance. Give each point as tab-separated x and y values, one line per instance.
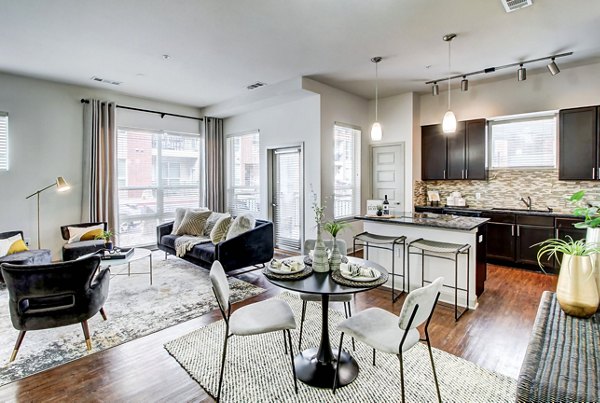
505	187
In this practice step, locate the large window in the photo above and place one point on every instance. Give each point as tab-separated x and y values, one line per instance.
346	160
3	141
157	172
243	172
526	142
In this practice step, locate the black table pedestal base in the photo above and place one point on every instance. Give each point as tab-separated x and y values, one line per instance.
310	371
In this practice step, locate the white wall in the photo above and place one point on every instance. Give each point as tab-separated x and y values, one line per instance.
286	124
46	126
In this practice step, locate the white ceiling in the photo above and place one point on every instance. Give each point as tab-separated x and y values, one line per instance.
217	47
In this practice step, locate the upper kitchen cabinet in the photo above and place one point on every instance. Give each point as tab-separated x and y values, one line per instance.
579	157
460	155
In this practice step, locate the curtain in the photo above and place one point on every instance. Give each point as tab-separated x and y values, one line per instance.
99	201
215	154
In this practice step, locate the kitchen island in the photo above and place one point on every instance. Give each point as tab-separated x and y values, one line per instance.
435	227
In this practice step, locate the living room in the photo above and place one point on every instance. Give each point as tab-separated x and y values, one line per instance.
179	70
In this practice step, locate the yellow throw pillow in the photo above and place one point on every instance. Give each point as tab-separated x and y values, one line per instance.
219	231
78	234
12	245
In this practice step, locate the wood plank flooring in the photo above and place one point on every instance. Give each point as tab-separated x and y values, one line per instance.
494	336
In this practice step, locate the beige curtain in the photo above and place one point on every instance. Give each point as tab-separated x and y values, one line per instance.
99	164
215	154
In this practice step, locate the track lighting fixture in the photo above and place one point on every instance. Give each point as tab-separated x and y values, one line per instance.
464	84
553	68
435	89
522	73
376	131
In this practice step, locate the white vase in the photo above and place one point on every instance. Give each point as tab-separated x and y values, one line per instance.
320	260
336	257
592	237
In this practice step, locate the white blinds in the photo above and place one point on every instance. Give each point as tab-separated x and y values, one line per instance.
346	196
523	143
286	197
3	141
242	166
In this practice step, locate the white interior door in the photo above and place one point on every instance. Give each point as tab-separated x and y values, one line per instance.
388	174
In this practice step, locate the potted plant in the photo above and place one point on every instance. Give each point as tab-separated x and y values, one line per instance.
379	210
107	237
576	290
334	227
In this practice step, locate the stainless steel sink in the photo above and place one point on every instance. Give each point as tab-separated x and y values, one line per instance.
523	210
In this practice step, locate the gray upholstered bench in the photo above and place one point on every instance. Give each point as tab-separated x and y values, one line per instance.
562	363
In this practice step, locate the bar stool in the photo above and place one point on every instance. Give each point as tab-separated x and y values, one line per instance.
436	247
369	240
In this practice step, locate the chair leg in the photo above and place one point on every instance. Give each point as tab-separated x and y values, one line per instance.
437	386
166	257
285	342
103	313
222	365
86	333
337	366
302	325
289	335
373	357
350	314
401	375
13	356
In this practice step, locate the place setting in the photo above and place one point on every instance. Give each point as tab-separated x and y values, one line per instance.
287	269
358	275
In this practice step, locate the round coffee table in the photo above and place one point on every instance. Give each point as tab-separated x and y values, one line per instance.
316	366
138	253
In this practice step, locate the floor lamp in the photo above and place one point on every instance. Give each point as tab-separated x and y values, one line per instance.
61	185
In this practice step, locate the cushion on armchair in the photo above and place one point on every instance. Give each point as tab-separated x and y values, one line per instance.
78	234
11	245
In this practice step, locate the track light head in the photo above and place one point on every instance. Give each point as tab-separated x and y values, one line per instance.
553	68
522	73
464	84
435	89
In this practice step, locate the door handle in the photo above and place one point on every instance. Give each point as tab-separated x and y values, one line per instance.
273	204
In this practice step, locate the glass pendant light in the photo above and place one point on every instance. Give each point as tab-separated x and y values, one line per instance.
449	122
376	131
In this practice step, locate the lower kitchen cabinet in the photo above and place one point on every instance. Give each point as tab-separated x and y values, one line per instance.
527	237
500	241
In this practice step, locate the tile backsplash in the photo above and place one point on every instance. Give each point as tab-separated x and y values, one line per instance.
505	187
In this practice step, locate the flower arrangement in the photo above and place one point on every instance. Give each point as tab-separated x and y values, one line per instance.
586	209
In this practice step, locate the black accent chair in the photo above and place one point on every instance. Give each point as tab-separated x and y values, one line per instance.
53	295
72	251
32	256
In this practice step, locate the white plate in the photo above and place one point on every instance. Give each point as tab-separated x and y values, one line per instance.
286	270
360	279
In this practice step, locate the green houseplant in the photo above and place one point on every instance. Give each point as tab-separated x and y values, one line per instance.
107	237
576	291
334	227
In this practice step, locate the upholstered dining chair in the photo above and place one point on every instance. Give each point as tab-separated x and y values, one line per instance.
55	294
386	332
267	316
309	244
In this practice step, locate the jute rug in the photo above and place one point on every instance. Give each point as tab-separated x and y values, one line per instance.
257	369
181	291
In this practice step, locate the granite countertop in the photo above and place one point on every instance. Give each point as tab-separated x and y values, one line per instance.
446	221
502	210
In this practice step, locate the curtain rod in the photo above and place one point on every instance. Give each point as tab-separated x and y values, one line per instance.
162	114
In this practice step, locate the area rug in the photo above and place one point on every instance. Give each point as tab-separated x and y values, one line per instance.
257	369
181	291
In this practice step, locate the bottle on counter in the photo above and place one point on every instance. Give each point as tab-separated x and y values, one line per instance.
386	206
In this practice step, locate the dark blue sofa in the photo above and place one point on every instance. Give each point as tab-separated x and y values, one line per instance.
250	248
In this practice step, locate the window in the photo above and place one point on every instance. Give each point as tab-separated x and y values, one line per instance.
3	141
243	172
346	160
527	142
157	172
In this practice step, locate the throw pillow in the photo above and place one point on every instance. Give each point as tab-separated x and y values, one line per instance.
241	224
193	223
212	221
78	234
179	214
11	245
219	231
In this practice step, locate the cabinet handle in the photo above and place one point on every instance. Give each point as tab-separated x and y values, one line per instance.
593	173
444	174
512	230
462	173
556	233
518	230
466	173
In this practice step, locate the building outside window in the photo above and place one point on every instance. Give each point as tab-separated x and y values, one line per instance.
242	173
346	160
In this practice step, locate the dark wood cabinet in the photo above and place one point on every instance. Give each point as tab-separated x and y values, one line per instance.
501	241
564	228
527	237
475	149
433	153
456	158
578	144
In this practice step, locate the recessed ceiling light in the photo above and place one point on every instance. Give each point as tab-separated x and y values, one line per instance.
255	85
428	66
105	80
166	57
140	74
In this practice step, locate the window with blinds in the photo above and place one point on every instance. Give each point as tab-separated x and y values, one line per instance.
346	160
523	143
157	172
3	141
287	197
242	173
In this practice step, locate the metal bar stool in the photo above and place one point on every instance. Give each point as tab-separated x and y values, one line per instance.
369	240
442	248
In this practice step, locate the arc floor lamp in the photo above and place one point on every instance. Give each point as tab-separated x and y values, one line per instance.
61	186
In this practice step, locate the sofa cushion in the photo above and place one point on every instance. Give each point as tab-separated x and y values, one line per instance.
12	245
169	240
212	221
203	251
193	223
219	231
179	214
242	223
78	234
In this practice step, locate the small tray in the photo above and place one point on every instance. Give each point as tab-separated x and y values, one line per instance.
338	278
123	253
288	277
381	216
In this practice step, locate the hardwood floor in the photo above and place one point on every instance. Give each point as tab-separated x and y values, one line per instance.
494	336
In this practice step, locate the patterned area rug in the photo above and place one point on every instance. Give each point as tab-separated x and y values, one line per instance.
181	291
258	370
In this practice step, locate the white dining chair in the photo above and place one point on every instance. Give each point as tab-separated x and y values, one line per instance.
267	316
388	333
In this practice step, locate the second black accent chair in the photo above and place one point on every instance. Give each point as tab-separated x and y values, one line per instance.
54	295
72	251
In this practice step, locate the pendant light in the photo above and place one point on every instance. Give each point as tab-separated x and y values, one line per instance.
449	122
376	132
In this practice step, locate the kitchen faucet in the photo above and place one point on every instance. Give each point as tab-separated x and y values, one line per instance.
527	202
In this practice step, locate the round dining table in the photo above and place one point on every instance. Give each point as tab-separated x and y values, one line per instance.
315	366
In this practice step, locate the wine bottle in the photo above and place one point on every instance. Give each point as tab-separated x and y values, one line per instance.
386	206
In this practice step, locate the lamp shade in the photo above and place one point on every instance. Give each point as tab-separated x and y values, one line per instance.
61	184
449	122
376	132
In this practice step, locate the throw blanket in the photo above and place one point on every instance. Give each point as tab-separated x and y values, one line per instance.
185	243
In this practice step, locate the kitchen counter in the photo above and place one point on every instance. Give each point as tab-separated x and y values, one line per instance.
446	221
474	210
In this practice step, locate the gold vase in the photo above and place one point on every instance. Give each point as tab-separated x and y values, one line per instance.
576	290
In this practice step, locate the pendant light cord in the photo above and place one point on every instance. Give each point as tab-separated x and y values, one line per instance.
376	91
449	69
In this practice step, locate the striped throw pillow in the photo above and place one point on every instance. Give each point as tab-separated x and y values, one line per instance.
212	221
78	234
179	214
11	245
193	223
219	231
